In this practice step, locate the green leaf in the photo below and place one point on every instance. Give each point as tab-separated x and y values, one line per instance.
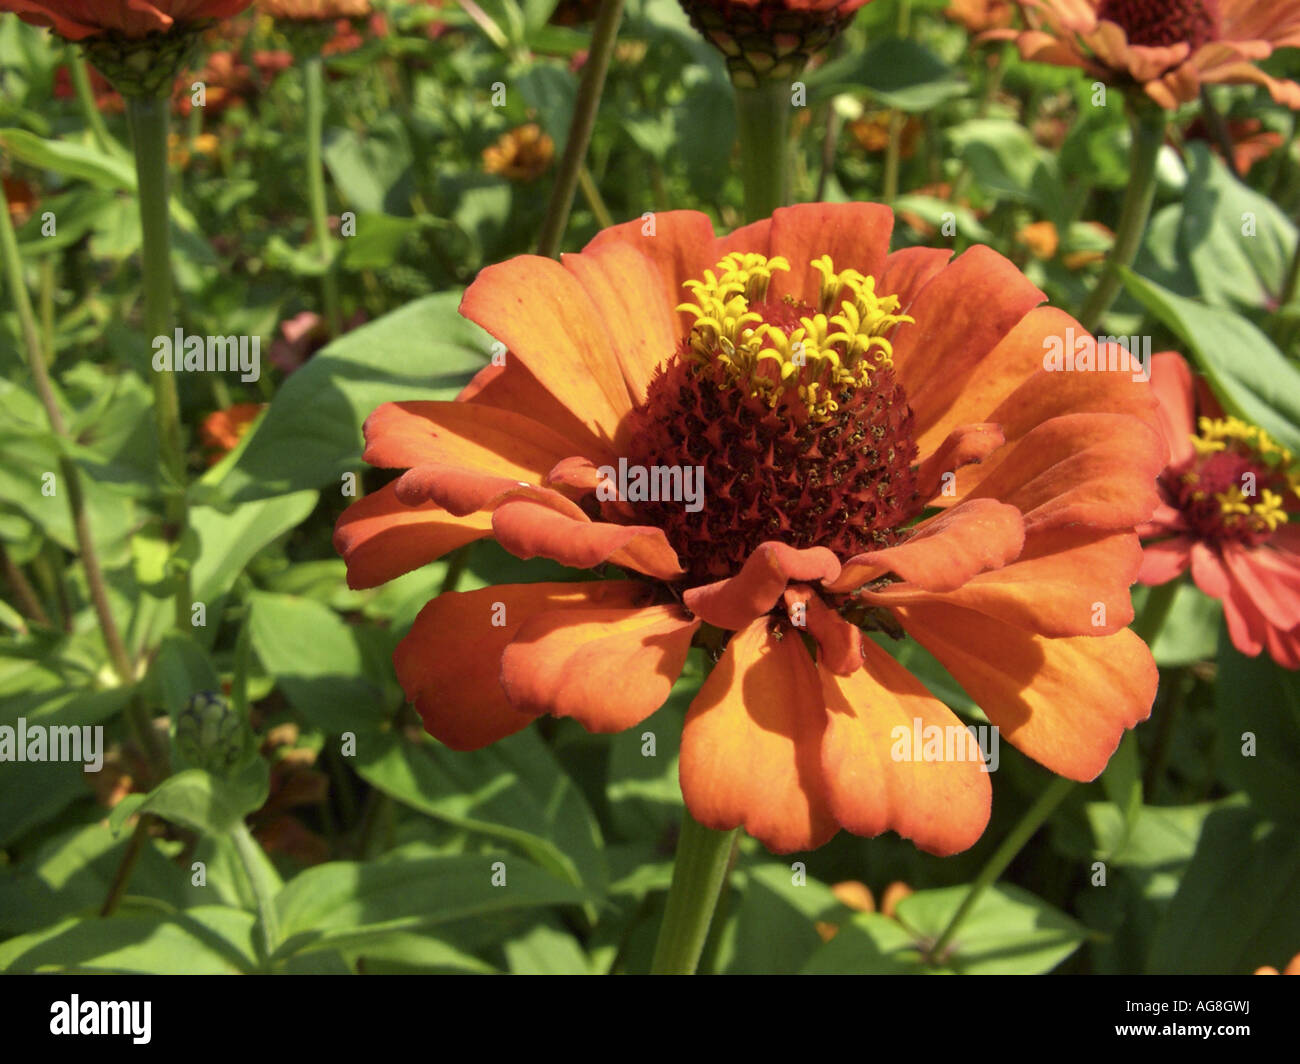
201	802
344	903
70	159
231	535
1258	715
1249	375
899	73
545	950
1235	908
513	791
868	944
1190	631
373	169
317	662
209	940
311	435
774	928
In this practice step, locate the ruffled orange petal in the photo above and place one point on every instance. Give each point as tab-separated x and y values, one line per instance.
964	446
1066	582
734	602
544	316
1092	469
607	668
536	527
751	747
840	642
946	550
449	664
908	271
941	805
1064	702
380	538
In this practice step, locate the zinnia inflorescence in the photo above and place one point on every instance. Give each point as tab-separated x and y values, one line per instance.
1167	47
1227	501
880	448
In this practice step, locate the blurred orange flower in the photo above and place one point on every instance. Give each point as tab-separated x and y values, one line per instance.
979	16
521	154
1168	47
874	448
221	430
1040	238
315	10
1229	497
76	20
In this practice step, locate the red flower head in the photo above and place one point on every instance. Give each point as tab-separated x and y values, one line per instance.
76	20
1228	497
769	38
1168	47
784	438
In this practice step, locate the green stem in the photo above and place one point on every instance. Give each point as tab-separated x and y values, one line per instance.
1148	123
149	120
71	475
86	98
1155	611
253	860
314	85
701	866
1051	797
603	37
763	129
591	193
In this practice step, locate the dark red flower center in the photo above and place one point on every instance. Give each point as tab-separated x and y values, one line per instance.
1160	23
1239	489
794	419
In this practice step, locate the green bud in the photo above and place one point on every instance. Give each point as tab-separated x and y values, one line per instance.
210	735
143	67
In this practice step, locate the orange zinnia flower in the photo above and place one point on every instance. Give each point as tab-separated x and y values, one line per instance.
1168	47
221	430
1228	495
879	446
76	20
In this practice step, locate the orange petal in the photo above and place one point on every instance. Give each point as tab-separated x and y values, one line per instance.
533	527
734	602
645	332
1172	385
680	244
607	668
458	490
961	316
1165	560
946	550
1066	582
840	642
751	746
380	538
540	311
403	435
965	445
449	664
854	235
1091	469
1064	702
908	271
875	783
511	386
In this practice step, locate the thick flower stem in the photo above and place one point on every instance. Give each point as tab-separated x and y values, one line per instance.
1051	797
314	88
763	128
603	37
702	858
148	117
1148	124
